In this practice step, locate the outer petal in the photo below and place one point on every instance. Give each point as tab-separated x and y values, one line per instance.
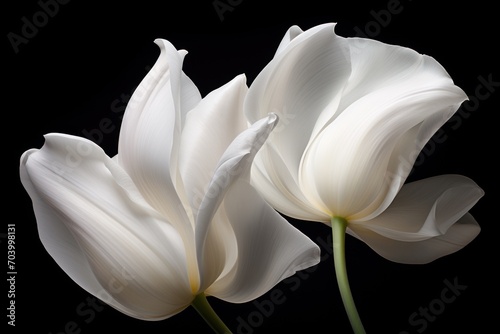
150	133
210	127
234	164
94	223
425	251
427	220
277	184
303	85
150	140
269	248
395	101
291	33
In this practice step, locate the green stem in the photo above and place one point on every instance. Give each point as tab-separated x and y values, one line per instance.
201	305
339	226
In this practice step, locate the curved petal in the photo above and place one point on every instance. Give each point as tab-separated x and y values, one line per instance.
210	127
303	85
302	81
291	33
274	180
428	213
392	66
269	248
150	132
457	236
234	164
221	248
358	163
97	227
150	138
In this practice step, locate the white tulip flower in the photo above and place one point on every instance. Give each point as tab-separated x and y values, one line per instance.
355	113
173	217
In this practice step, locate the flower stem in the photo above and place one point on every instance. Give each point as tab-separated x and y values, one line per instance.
201	305
339	226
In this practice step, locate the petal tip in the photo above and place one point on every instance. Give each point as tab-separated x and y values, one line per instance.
164	44
242	77
272	119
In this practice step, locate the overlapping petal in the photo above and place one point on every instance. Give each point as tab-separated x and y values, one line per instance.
209	129
276	182
151	130
234	165
269	248
377	135
383	102
457	236
358	112
395	100
153	227
232	208
150	138
298	85
89	214
427	220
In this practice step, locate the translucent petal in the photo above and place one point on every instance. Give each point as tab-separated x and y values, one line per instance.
359	161
150	138
424	251
97	227
424	212
269	248
210	127
234	164
307	74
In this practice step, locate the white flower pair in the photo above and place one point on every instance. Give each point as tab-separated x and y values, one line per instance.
182	210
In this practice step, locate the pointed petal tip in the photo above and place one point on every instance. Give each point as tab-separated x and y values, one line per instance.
241	75
163	44
479	192
294	31
239	80
159	41
272	119
314	257
467	183
52	135
328	25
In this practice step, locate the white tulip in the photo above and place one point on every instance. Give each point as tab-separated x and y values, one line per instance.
173	216
355	113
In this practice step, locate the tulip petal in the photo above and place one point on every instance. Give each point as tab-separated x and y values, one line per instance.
210	127
284	194
304	79
269	248
303	85
234	164
95	224
382	125
291	33
427	220
150	133
150	138
458	236
378	68
58	240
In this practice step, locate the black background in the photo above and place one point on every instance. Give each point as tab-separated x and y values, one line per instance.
79	66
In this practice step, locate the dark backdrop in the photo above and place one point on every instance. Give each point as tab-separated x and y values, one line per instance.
70	68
